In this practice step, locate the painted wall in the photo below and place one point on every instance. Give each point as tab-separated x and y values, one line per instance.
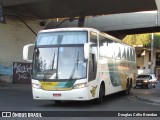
13	36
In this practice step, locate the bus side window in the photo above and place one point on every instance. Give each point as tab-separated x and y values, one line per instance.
92	67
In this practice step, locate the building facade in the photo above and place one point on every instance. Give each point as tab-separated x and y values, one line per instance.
144	60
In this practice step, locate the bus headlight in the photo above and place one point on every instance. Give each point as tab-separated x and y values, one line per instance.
79	86
37	86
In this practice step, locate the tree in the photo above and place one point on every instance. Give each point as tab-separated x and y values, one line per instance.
157	40
142	39
130	39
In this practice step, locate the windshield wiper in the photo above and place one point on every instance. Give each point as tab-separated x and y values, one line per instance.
74	68
77	61
53	61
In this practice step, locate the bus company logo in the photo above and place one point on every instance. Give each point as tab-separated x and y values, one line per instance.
93	91
6	114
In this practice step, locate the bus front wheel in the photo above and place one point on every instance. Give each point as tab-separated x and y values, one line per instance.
99	100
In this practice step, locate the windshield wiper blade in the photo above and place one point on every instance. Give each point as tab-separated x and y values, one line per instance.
53	61
77	61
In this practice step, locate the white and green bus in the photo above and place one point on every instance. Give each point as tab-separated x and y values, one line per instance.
80	64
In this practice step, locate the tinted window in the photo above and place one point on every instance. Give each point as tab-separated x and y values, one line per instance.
106	47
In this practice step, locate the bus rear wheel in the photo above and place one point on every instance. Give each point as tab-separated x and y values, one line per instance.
128	88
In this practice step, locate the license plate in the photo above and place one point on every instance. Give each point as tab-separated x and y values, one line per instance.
57	95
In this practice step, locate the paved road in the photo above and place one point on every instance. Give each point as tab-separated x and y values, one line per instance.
151	95
19	98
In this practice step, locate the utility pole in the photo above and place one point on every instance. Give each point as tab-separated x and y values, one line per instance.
152	54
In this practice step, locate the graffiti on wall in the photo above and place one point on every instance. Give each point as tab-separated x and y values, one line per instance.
22	72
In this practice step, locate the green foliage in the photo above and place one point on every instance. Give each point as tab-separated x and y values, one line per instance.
143	39
157	40
130	40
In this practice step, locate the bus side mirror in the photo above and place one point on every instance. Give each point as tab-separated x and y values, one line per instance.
86	50
26	51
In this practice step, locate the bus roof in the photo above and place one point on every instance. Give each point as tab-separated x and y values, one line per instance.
69	29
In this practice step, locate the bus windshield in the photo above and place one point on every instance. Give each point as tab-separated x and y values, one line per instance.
59	62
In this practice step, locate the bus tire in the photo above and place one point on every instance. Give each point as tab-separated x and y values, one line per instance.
57	101
131	83
99	100
128	88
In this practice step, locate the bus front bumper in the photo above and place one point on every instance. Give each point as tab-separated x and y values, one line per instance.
74	94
